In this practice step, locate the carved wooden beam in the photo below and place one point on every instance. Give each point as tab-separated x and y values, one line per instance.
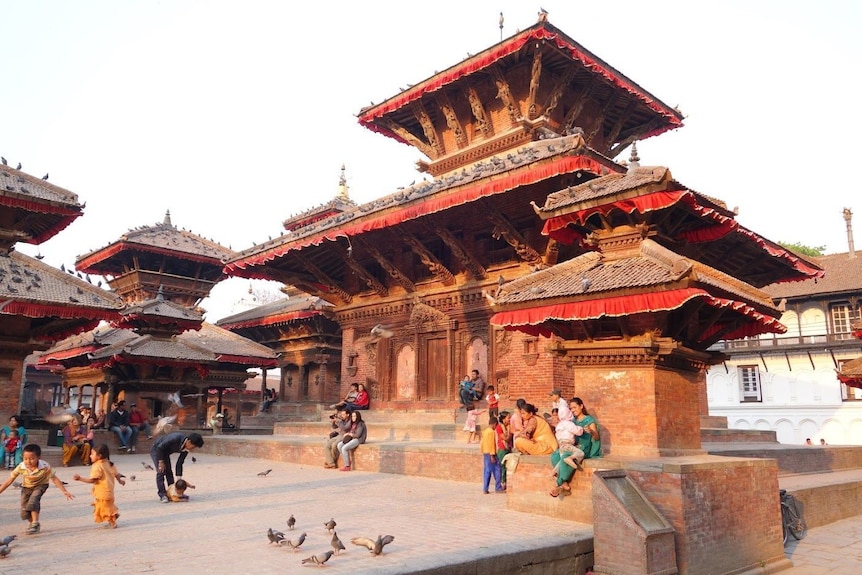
408	136
329	285
600	120
552	252
503	228
505	94
535	76
393	271
437	269
558	90
580	101
366	277
452	119
428	128
634	135
618	126
479	113
471	264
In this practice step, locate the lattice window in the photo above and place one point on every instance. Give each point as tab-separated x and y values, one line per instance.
749	383
842	315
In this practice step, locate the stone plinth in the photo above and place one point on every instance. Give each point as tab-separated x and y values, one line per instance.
724	511
644	393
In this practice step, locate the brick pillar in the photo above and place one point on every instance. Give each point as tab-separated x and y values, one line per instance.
644	393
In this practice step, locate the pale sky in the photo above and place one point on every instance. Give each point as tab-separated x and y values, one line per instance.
236	115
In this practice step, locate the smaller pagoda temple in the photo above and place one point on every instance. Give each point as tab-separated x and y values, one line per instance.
160	344
39	304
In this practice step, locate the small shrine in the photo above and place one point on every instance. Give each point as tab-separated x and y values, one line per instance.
159	345
306	339
39	304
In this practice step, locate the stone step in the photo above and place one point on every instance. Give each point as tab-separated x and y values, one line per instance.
794	459
724	435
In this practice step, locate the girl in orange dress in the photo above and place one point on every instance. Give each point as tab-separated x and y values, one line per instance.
103	474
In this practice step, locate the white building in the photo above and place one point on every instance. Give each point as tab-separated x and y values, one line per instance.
788	383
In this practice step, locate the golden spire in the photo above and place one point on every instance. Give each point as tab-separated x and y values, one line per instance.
342	186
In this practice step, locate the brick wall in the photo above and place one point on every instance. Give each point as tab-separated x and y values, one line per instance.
531	371
726	513
10	387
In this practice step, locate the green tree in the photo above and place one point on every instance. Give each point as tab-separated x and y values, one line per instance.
802	249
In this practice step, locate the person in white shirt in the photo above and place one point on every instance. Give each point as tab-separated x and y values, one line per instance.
564	413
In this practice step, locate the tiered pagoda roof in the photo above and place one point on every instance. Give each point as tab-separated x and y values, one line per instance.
146	260
536	83
668	261
38	303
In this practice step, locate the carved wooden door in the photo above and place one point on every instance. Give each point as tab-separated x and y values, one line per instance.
435	368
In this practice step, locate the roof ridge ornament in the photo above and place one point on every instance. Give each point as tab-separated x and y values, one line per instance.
342	186
634	160
167	220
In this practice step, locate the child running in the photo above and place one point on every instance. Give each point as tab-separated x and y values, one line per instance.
491	465
470	424
35	475
103	473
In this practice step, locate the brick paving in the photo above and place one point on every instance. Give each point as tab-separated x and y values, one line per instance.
437	525
223	527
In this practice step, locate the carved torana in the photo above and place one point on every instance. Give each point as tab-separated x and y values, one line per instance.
422	313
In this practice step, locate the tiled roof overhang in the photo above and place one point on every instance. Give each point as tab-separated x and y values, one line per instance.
357	221
531	320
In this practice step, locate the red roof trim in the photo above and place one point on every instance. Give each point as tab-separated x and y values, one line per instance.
271	319
69	216
86	264
522	176
531	320
723	225
39	310
67	353
500	51
255	361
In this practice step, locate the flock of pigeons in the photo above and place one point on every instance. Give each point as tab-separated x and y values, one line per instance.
375	546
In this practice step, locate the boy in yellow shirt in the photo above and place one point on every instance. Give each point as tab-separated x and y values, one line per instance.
488	446
35	475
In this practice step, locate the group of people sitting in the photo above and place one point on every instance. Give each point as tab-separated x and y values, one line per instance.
348	429
471	389
568	436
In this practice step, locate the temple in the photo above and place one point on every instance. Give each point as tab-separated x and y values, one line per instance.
38	303
534	256
158	344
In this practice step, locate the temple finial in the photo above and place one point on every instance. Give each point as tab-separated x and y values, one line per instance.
167	221
160	296
634	160
342	186
543	15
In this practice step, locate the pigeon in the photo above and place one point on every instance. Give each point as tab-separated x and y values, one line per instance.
45	177
264	473
291	521
59	415
175	399
330	525
276	537
8	539
585	283
131	477
19	166
337	545
376	547
164	424
147	466
194	459
300	541
318	560
4	551
2	159
378	332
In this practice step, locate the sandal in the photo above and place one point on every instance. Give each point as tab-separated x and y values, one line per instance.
554	492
